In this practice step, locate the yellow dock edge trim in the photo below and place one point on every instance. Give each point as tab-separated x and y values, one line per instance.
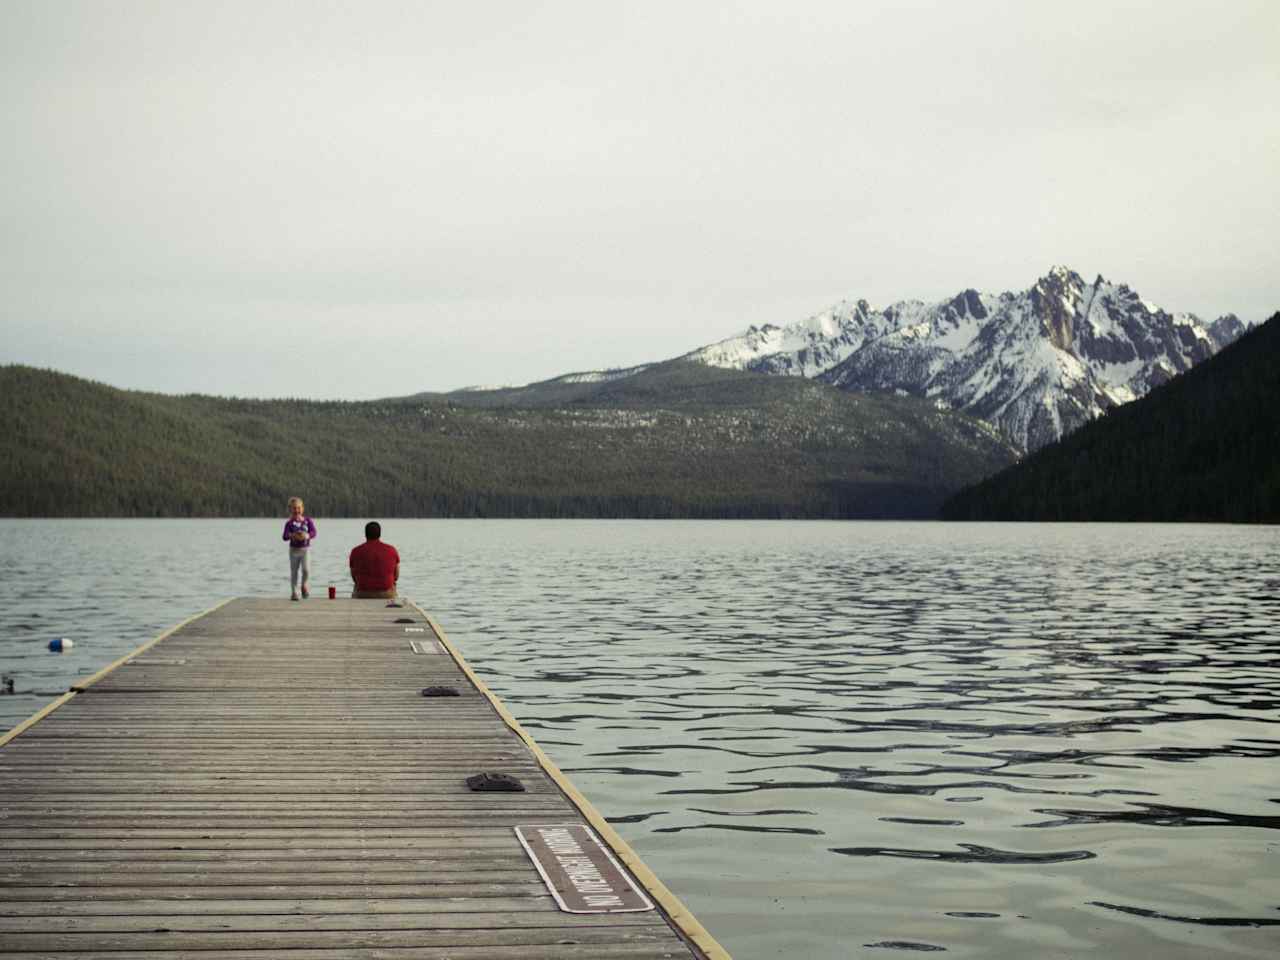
79	685
679	913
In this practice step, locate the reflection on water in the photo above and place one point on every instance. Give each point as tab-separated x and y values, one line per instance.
831	740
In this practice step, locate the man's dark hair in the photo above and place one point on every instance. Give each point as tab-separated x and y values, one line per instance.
372	530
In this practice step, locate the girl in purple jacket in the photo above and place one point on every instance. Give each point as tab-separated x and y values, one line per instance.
299	531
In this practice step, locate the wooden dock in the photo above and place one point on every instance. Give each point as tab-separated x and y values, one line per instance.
267	780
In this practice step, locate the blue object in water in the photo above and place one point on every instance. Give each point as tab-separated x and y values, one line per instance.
59	644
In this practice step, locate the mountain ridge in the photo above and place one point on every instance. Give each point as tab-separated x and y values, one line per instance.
1036	363
676	440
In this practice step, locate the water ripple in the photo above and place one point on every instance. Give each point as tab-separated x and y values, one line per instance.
972	854
1206	921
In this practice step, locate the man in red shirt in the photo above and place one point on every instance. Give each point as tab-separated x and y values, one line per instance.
375	566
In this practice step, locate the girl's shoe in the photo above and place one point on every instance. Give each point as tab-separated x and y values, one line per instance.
295	595
305	592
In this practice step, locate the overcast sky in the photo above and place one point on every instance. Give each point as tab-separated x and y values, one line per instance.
370	199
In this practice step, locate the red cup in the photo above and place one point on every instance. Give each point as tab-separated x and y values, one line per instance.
333	592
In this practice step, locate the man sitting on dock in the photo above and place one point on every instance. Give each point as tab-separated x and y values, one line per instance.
375	566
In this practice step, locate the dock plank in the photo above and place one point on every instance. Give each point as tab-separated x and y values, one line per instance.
145	923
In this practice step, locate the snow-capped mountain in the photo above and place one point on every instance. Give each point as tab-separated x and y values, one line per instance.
1037	364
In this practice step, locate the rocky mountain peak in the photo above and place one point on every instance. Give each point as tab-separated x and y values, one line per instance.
1060	277
968	303
1226	328
1055	300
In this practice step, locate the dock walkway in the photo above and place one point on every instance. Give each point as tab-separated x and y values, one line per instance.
268	780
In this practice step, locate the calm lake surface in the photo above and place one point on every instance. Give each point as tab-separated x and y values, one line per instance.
829	739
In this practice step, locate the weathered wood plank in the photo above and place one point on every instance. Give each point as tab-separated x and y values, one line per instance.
36	828
130	875
151	809
253	841
413	785
291	940
554	951
417	891
253	907
319	921
319	855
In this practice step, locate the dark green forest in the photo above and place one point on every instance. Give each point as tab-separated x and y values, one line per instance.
676	440
1203	447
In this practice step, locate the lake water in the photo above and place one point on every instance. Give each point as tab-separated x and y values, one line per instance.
829	739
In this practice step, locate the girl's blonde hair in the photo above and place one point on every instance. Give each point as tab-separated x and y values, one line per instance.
293	500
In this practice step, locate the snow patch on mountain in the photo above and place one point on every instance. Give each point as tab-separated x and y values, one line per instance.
600	376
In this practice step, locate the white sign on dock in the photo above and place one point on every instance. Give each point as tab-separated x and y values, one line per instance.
425	646
579	870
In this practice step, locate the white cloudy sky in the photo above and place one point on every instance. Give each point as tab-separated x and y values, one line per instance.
375	198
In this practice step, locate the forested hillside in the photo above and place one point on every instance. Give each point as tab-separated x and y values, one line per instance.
1205	446
679	440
